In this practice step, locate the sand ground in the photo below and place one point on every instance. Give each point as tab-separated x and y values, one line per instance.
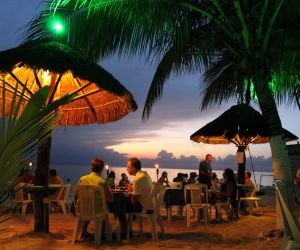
16	233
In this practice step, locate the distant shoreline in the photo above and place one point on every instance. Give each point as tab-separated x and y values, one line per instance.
215	168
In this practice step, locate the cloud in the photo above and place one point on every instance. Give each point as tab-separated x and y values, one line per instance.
70	153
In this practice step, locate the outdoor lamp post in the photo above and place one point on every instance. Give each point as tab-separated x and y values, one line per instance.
107	170
157	171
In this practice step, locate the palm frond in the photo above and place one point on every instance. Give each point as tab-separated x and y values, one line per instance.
21	133
221	82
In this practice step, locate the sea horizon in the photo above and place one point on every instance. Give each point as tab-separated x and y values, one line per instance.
74	172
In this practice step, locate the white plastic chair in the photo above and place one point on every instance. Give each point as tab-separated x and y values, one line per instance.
160	193
143	214
251	200
89	209
62	197
198	201
19	197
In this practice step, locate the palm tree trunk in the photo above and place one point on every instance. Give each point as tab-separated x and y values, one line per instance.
281	163
41	211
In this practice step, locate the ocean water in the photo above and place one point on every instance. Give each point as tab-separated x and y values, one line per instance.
75	172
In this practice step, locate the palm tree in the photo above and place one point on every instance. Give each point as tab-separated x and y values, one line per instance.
233	42
20	134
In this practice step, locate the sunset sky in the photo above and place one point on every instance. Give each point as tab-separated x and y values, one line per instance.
174	118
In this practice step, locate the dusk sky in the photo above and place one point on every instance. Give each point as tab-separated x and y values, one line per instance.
174	118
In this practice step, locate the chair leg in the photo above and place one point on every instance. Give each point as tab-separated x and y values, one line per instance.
129	222
161	224
140	219
204	215
77	230
152	222
188	215
98	231
118	229
196	214
63	207
108	230
24	208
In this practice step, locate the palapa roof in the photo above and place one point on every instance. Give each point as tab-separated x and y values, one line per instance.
241	125
101	98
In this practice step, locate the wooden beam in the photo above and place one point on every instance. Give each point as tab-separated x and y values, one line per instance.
54	88
37	79
86	98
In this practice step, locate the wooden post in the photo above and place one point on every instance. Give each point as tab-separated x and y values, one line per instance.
241	166
41	211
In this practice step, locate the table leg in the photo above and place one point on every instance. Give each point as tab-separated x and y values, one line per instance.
180	212
250	203
46	202
219	210
169	213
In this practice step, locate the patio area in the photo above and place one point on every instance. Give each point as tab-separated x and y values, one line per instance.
16	233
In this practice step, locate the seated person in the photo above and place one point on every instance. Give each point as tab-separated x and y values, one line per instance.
193	178
124	180
163	180
215	183
185	178
248	178
95	179
179	178
297	177
248	190
55	179
142	187
229	190
111	179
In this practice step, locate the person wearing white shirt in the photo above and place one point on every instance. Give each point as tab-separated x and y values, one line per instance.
141	189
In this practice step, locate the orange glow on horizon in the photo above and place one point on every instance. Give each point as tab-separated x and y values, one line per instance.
150	149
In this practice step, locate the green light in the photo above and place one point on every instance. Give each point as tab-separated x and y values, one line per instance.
58	27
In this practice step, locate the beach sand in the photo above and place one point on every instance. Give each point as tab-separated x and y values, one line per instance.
16	233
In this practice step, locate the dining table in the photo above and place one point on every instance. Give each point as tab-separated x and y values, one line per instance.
174	197
46	190
118	206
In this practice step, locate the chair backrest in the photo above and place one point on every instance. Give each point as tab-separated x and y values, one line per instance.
91	201
254	191
19	192
175	184
64	192
198	193
159	197
150	201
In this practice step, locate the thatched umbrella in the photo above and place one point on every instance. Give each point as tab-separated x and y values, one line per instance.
100	97
240	125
